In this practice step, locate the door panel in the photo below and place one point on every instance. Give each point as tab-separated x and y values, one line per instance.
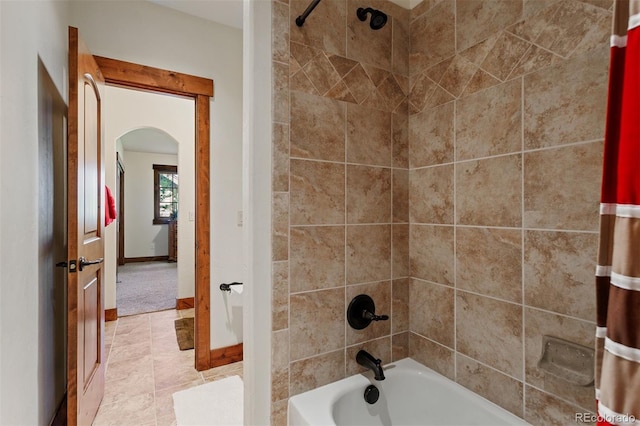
85	310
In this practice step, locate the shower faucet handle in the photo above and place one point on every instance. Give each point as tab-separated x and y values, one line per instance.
373	317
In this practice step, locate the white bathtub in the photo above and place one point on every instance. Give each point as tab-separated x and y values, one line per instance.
412	394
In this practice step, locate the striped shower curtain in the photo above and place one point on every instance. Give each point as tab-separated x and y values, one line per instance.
618	271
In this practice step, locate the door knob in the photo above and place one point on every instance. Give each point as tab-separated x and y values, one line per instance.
84	262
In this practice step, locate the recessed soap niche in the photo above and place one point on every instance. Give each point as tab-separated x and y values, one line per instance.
567	360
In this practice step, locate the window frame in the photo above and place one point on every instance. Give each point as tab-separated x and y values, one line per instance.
157	169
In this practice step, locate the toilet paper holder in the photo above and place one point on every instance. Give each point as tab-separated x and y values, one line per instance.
227	287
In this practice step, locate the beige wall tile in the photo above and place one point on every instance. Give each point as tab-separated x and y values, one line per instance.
280	31
317	127
279	413
490	331
431	195
400	259
279	385
368	136
280	295
562	187
331	38
422	91
535	59
435	356
400	140
314	372
489	192
457	76
310	335
544	409
538	324
432	37
280	226
431	136
368	253
400	195
477	20
505	55
400	305
489	122
431	253
572	23
399	346
280	92
280	365
400	54
491	384
481	80
566	103
280	168
317	257
489	262
368	194
558	272
317	193
433	314
379	349
381	295
359	83
321	73
363	43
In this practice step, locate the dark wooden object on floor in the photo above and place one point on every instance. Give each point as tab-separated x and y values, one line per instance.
184	333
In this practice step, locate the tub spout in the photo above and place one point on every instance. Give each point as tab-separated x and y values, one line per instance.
365	359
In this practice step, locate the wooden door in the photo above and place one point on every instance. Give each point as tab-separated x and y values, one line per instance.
85	311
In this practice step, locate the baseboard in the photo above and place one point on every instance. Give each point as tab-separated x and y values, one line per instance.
146	259
226	355
185	303
110	314
60	418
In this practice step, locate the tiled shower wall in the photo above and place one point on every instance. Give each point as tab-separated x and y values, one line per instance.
507	111
340	190
451	159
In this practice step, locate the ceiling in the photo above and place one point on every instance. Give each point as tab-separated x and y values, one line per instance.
226	12
229	12
149	139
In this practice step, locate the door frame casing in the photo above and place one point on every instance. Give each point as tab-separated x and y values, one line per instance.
142	77
120	242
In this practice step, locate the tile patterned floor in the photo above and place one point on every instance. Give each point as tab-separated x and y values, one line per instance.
145	367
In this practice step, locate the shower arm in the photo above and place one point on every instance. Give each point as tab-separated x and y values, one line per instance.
300	19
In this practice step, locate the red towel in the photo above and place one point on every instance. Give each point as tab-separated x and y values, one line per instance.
110	212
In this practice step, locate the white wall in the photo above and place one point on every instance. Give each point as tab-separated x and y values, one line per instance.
149	34
257	201
142	237
126	110
28	31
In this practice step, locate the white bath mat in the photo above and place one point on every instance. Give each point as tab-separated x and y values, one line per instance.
218	403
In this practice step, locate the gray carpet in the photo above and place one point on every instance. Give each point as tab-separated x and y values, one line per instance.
146	287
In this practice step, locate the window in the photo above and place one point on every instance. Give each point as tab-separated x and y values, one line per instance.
165	193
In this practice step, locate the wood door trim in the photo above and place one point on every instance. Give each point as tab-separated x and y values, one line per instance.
185	303
226	355
156	79
120	171
143	77
110	314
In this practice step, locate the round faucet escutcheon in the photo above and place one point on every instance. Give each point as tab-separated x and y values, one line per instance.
371	394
